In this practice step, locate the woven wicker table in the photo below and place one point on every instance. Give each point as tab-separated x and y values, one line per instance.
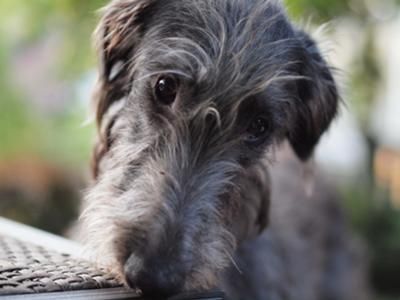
28	270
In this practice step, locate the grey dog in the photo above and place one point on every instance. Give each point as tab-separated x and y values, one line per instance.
193	97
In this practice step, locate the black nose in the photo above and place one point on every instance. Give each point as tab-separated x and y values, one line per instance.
158	283
156	280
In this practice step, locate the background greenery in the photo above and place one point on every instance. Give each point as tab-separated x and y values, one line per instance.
53	146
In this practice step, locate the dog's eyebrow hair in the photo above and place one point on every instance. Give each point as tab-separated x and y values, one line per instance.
163	71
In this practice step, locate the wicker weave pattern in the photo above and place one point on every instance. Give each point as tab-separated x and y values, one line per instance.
26	268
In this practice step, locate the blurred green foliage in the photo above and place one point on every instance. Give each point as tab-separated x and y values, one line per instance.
23	21
374	217
322	10
22	129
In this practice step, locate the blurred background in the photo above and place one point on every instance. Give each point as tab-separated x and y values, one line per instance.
47	71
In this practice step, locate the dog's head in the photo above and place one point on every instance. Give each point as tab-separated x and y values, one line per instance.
191	96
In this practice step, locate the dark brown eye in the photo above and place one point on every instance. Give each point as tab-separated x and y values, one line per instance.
258	131
166	89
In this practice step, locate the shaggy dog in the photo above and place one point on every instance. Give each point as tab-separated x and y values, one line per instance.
192	98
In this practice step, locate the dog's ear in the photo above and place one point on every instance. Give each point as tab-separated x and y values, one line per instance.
316	99
117	36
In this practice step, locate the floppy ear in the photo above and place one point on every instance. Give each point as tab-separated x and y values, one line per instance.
116	38
317	99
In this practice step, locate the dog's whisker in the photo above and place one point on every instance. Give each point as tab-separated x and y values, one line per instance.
234	263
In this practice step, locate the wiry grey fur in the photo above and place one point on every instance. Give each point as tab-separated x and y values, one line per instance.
177	191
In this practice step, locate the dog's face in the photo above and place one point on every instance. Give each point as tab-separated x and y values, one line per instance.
192	95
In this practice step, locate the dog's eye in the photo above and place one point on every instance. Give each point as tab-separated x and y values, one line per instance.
166	89
257	131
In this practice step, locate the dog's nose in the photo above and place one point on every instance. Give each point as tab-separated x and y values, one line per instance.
156	280
158	283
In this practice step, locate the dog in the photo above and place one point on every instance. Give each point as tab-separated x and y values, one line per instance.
193	99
